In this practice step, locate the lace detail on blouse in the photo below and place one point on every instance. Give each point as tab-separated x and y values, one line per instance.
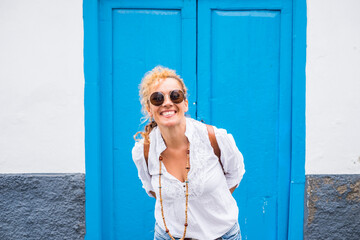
172	187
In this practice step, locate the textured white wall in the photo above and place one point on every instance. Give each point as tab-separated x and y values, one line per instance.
41	86
333	87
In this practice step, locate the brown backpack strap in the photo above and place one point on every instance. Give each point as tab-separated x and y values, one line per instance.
146	151
214	143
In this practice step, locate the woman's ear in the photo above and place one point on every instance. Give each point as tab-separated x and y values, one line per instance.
186	102
148	111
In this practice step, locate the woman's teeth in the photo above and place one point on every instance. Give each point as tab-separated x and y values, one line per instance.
166	114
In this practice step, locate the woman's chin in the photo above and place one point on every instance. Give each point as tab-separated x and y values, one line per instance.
169	122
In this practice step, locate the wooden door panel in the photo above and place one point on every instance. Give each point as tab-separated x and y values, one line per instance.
135	36
244	79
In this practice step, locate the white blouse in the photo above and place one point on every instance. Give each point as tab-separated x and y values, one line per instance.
212	210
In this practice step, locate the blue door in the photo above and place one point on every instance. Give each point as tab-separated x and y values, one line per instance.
235	58
135	36
244	85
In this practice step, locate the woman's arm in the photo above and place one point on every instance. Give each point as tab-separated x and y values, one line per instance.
231	158
143	173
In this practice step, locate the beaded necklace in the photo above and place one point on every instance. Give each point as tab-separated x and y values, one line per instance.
186	195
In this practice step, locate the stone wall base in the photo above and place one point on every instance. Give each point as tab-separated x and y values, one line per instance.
52	206
42	206
332	207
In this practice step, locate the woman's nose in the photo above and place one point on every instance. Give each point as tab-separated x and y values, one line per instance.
167	101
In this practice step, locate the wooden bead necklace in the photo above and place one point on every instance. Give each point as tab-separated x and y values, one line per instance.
186	195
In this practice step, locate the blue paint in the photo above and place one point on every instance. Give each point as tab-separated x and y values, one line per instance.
244	82
106	113
262	72
134	53
296	217
92	121
134	37
251	93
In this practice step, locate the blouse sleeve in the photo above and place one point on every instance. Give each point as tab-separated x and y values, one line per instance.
231	158
143	173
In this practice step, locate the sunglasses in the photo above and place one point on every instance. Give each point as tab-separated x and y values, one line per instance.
158	98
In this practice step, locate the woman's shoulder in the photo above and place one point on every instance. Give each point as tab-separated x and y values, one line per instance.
221	131
196	127
202	125
196	123
225	139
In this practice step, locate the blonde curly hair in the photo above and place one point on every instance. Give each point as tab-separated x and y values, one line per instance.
150	78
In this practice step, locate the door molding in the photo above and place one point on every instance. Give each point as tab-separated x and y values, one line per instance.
297	184
92	121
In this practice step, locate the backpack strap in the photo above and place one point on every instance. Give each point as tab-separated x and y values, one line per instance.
213	141
146	151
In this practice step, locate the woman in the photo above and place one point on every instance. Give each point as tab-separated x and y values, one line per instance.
177	165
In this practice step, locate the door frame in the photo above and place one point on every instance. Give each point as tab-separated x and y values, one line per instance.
93	127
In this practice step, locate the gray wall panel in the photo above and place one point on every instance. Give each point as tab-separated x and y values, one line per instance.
332	207
42	206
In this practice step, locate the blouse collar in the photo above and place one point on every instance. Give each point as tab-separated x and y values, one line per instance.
160	146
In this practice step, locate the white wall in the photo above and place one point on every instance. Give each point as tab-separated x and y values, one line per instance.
333	87
41	86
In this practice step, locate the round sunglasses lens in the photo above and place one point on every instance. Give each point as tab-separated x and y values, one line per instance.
157	98
177	96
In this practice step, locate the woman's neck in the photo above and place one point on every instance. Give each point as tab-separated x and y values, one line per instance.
174	137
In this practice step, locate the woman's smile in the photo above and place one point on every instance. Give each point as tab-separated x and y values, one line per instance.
168	113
